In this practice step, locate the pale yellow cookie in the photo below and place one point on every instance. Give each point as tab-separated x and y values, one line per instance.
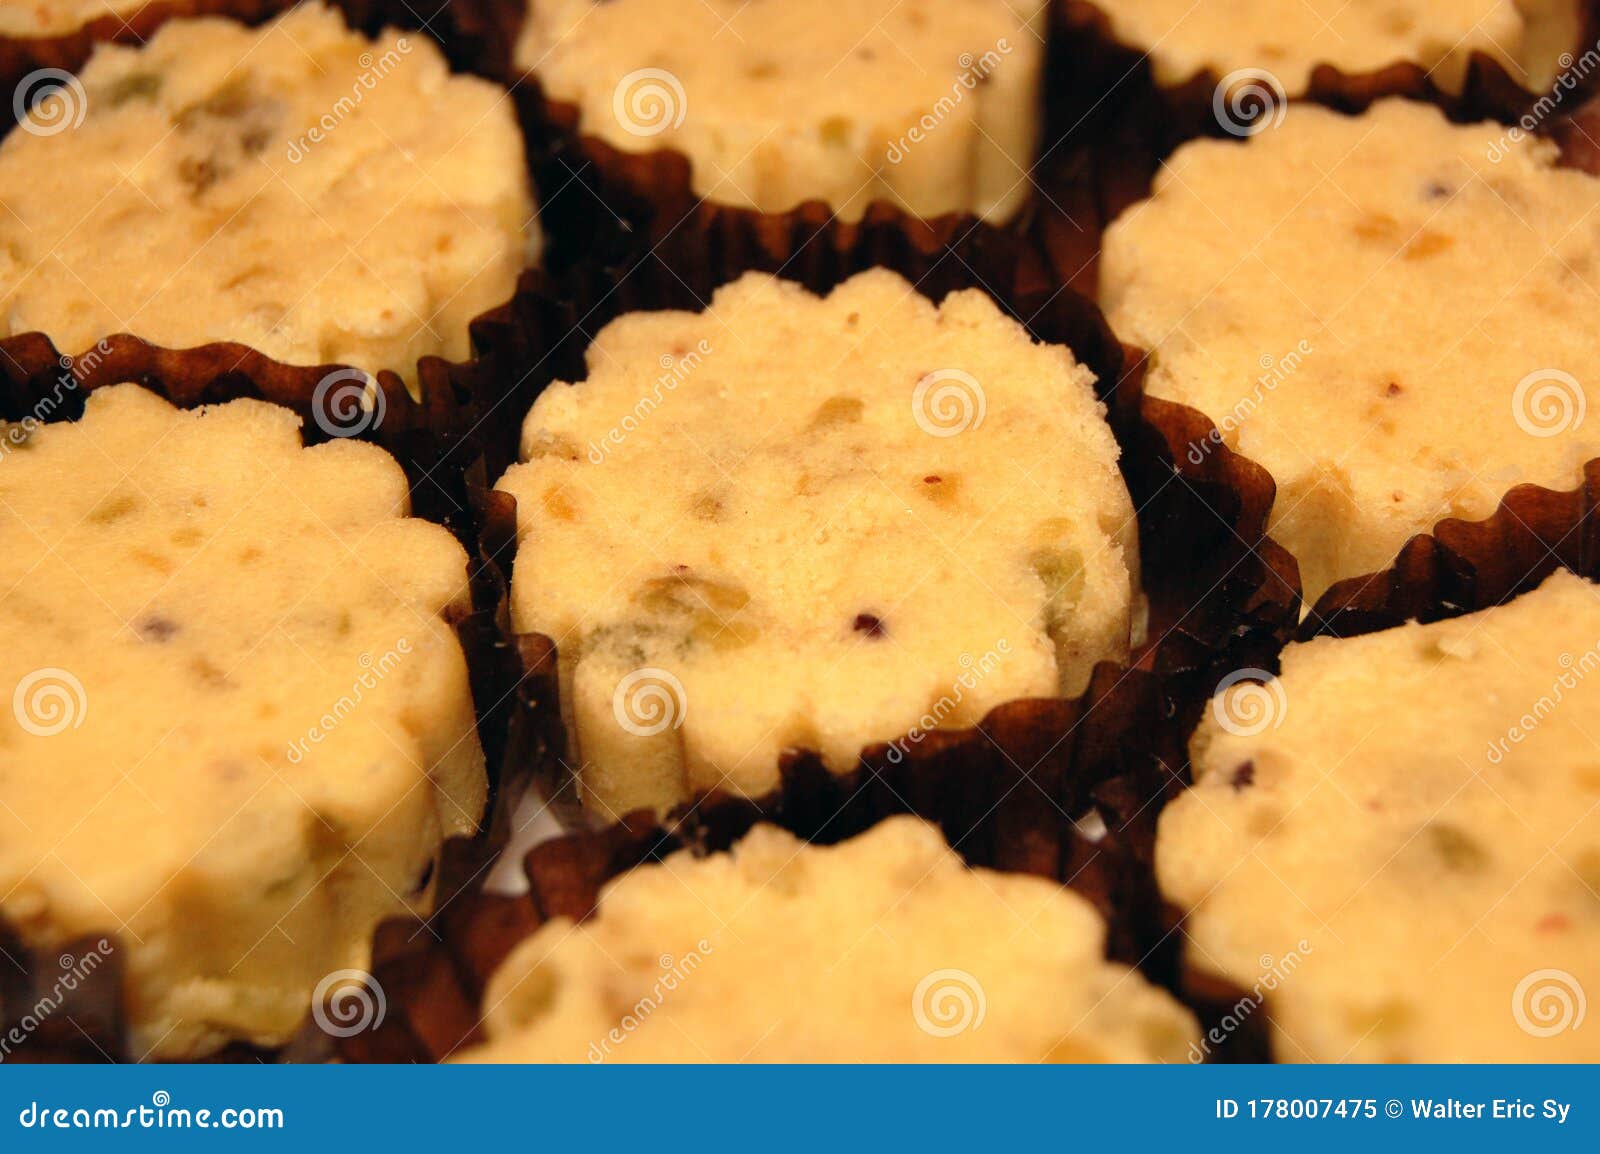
1288	40
237	723
933	105
793	522
1396	844
885	948
1395	315
297	188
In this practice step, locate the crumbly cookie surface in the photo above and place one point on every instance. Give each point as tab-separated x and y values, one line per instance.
1393	314
930	104
239	725
793	522
1185	38
296	188
885	948
1411	817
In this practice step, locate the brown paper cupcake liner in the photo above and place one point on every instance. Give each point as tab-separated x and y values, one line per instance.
199	374
41	1019
1464	566
482	36
1461	567
432	438
1222	594
1109	71
39	381
636	202
1109	752
1243	603
1116	124
600	203
605	207
1005	793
